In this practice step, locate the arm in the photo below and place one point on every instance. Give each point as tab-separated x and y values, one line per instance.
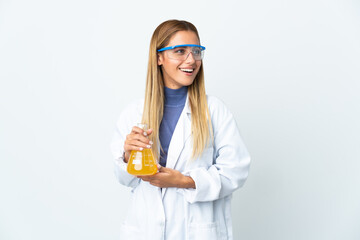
120	166
125	139
231	162
167	177
227	173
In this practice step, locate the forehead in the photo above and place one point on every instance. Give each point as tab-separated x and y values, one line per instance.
184	37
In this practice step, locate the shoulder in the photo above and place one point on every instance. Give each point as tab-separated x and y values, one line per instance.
131	114
134	107
220	114
216	106
212	100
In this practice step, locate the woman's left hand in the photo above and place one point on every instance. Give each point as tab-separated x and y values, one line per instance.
167	177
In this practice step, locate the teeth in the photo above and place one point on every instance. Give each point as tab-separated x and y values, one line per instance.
187	70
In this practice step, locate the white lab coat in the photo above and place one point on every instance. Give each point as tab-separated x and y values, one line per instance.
175	213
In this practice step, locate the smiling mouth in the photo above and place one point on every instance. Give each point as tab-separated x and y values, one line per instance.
187	70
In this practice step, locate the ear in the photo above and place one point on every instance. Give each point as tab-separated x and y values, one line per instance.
160	59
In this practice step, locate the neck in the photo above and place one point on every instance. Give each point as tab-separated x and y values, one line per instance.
175	97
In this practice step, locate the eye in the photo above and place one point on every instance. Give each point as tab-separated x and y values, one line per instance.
196	51
179	50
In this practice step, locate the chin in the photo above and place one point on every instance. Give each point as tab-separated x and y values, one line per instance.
187	83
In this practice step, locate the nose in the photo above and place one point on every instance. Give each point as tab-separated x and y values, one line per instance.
190	58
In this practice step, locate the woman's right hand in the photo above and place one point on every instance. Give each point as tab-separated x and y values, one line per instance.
136	140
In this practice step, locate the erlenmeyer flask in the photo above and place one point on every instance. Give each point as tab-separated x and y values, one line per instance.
142	162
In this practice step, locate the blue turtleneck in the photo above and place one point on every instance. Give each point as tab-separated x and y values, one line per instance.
173	106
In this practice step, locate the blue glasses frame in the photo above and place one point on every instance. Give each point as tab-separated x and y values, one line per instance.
183	45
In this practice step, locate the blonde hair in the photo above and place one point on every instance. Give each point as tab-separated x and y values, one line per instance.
201	128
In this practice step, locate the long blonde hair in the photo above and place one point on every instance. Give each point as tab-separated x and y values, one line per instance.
201	127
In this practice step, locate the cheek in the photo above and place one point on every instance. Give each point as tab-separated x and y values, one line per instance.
198	65
170	65
170	68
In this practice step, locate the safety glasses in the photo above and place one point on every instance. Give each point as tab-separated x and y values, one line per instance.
181	52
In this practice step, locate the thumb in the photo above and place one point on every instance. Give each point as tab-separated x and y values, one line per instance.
164	169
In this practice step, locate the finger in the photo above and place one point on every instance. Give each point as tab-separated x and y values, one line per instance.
148	132
144	178
164	169
139	137
137	144
155	183
132	138
129	148
138	130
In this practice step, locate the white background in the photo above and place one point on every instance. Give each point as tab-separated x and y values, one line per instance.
288	70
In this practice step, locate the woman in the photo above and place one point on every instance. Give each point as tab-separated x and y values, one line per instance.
203	159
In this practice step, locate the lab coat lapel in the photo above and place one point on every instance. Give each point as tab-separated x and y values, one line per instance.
181	134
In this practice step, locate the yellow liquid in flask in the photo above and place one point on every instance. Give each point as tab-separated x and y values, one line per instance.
142	163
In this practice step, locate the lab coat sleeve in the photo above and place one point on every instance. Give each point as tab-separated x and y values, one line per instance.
123	127
231	162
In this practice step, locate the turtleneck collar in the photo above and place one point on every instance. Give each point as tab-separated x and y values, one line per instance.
175	97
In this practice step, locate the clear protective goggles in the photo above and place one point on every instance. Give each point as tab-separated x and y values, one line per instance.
181	52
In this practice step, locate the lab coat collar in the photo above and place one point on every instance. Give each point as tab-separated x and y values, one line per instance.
187	108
